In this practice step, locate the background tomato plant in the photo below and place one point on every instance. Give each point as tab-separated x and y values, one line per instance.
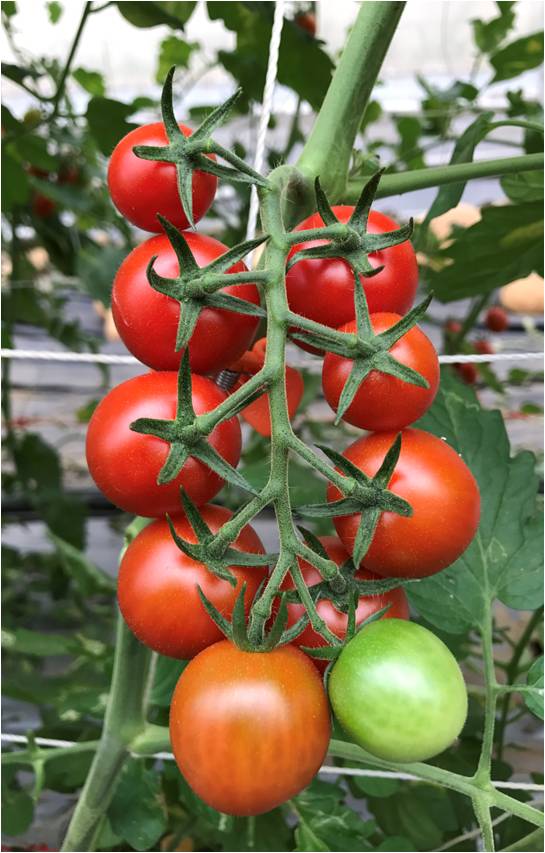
58	605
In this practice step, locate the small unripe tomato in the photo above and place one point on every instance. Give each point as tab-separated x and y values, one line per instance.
398	691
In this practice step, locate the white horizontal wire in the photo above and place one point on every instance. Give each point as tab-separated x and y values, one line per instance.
338	771
106	358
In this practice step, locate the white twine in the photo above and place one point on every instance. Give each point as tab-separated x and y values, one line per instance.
338	771
270	80
104	358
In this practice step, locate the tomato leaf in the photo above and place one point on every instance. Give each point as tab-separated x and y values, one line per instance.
145	15
506	244
137	812
518	56
534	700
503	558
327	823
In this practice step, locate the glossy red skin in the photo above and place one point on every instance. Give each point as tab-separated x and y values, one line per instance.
335	619
249	730
125	464
147	320
323	290
496	319
442	492
142	188
157	586
258	415
383	402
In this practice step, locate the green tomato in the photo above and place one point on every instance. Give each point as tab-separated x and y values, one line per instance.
398	691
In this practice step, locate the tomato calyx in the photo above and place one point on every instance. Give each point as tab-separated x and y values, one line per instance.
237	630
197	287
362	493
369	351
186	437
188	154
210	550
350	241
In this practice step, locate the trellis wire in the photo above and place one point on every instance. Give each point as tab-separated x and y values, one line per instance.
339	771
106	358
270	80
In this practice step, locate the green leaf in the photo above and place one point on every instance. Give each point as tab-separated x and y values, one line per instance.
137	811
421	813
15	184
373	786
534	701
9	8
326	822
518	56
54	10
65	517
488	35
91	81
523	187
107	119
24	642
96	269
38	465
87	578
449	195
145	15
173	51
252	23
34	149
17	805
506	244
501	560
167	673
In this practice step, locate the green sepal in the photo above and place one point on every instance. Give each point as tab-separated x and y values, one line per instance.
239	631
216	617
323	652
313	542
272	639
291	634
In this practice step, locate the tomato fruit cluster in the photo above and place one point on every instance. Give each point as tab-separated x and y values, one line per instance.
250	720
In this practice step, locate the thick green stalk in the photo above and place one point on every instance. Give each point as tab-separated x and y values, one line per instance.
125	718
437	176
328	150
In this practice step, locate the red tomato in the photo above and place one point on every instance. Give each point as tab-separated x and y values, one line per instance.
307	22
43	206
257	413
453	327
125	464
383	401
140	189
468	372
442	491
496	319
483	347
147	320
249	730
323	290
335	619
157	586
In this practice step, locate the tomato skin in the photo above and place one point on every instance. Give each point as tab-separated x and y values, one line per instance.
42	206
307	22
442	492
467	372
157	586
323	290
484	347
147	320
398	691
383	401
453	327
496	319
249	730
142	188
336	620
125	464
